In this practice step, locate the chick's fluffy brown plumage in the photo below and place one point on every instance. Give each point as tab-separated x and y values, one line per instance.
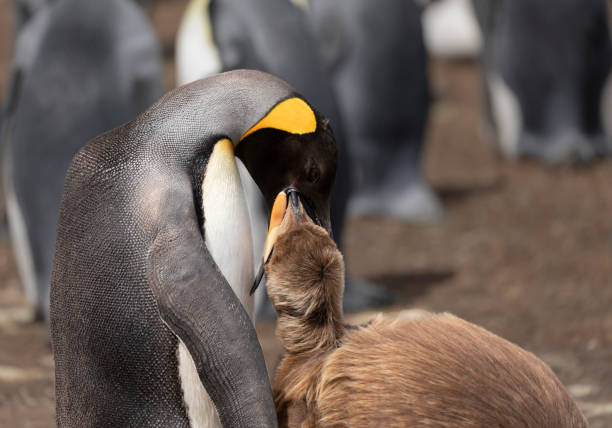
434	371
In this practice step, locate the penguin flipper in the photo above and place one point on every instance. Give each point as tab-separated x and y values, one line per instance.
198	305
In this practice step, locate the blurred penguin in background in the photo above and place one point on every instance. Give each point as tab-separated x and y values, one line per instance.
23	11
546	71
274	36
379	69
80	67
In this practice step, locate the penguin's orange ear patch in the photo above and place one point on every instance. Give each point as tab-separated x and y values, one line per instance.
292	115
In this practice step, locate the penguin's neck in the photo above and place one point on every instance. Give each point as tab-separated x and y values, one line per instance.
321	333
308	345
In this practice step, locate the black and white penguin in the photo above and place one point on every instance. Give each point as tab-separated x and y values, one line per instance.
379	71
80	68
150	302
547	78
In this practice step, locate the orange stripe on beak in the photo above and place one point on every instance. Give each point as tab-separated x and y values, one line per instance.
278	210
276	217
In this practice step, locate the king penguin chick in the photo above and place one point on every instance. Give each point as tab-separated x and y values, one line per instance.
437	370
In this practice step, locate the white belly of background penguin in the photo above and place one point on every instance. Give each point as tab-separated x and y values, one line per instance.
196	53
450	29
506	112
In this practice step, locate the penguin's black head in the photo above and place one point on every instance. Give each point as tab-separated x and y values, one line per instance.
292	151
278	159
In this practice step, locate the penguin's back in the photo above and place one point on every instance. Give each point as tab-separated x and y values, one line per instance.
113	353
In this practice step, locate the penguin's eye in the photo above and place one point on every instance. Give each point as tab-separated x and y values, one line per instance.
313	173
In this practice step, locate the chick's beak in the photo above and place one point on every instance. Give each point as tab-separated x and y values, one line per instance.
298	204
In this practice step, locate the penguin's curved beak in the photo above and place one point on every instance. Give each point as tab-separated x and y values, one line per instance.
288	203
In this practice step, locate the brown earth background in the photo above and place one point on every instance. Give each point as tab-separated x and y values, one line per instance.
524	251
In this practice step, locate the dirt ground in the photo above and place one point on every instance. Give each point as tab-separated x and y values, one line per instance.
524	251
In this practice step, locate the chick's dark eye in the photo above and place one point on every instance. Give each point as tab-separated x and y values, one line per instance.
313	173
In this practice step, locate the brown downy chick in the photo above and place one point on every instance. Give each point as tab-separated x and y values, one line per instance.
305	274
434	371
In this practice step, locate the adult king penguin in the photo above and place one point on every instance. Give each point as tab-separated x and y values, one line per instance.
154	235
80	68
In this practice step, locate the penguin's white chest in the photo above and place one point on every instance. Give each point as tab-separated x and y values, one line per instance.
227	233
227	228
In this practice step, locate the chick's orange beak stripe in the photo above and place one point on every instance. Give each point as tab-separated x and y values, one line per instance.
278	210
276	217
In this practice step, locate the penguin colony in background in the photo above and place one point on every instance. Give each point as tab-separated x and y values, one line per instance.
563	54
332	52
570	122
80	68
379	73
150	303
326	53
